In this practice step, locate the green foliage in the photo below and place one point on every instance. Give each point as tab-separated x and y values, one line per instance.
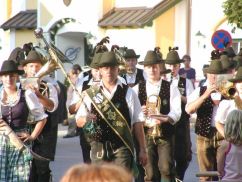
233	11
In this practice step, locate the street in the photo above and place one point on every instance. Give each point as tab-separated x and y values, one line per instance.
68	153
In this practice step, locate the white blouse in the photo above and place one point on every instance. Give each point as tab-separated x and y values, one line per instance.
36	109
224	108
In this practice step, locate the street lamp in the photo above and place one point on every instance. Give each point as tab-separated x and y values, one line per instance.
200	38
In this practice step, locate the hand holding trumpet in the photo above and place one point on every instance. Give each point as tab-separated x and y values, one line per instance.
210	89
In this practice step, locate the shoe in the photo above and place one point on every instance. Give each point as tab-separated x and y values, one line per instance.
69	135
65	123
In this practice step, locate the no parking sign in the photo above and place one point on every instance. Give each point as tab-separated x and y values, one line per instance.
220	38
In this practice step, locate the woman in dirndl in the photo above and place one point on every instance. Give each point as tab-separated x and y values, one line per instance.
16	106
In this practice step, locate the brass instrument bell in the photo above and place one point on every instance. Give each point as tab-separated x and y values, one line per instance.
153	105
225	87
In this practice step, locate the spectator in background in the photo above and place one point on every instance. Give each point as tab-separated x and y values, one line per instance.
188	72
72	128
97	173
77	68
229	159
201	83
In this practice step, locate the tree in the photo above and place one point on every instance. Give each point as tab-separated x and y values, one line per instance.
233	11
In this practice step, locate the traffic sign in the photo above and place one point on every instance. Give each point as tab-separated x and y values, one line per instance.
220	38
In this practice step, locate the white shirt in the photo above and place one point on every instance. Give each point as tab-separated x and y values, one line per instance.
81	75
54	89
36	109
224	108
79	83
175	98
131	78
122	80
189	85
196	94
131	98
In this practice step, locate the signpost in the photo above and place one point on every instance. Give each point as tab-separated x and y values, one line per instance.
220	38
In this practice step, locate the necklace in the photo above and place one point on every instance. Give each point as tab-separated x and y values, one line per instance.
238	102
11	99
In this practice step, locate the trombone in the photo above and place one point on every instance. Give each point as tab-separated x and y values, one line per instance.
55	61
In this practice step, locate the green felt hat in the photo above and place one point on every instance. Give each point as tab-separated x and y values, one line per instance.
95	61
130	53
33	57
229	51
215	67
238	76
173	58
238	60
9	66
108	59
151	58
227	63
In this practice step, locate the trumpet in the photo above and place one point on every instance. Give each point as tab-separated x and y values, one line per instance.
225	87
227	90
153	104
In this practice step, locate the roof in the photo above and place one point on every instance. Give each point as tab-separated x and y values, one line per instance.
135	17
123	17
23	20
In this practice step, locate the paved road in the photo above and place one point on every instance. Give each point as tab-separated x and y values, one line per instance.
68	153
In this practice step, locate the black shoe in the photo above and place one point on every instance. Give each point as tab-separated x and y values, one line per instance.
69	135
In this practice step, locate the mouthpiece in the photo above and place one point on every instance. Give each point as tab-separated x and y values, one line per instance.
38	32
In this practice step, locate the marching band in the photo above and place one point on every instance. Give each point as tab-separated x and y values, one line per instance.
138	119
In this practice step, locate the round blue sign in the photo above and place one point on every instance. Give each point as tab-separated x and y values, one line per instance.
221	38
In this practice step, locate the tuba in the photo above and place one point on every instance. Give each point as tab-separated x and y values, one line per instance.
225	87
153	104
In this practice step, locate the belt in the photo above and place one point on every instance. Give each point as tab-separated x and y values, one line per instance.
114	145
